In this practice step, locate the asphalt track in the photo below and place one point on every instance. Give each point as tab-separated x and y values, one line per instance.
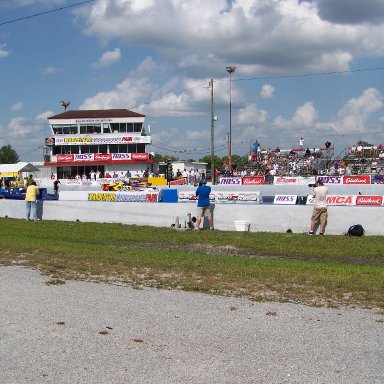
82	332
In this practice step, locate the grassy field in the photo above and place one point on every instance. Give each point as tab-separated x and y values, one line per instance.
314	270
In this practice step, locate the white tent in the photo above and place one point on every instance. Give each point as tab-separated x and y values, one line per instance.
18	167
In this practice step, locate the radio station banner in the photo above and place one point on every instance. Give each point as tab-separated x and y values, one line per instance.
75	140
182	181
223	197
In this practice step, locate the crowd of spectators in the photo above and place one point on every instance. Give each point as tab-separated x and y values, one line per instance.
358	159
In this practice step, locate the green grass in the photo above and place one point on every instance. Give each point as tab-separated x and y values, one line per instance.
315	270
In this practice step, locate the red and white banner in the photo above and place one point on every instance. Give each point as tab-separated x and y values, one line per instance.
369	200
357	180
139	156
284	180
255	180
178	182
341	200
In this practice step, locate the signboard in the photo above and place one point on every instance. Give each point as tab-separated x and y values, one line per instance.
334	200
285	199
230	181
369	200
253	180
357	180
223	197
102	157
330	179
284	180
76	140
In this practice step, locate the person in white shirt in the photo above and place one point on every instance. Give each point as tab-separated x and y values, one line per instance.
320	210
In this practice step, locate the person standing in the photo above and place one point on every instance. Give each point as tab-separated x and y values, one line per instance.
30	201
56	186
320	211
203	204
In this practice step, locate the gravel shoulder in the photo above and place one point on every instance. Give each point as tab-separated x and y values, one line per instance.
82	332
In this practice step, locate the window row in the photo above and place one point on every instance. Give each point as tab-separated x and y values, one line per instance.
86	129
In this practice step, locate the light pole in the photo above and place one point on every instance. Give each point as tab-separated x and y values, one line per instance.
230	69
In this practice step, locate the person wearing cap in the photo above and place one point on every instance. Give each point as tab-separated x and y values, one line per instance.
203	204
320	211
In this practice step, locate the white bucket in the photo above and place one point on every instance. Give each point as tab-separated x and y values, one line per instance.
242	225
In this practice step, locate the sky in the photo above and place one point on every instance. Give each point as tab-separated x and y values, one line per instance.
311	69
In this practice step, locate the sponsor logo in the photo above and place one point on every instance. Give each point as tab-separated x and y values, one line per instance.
230	181
364	179
329	179
285	180
121	156
285	199
64	157
102	157
125	139
253	180
139	156
369	200
78	140
340	200
101	197
84	156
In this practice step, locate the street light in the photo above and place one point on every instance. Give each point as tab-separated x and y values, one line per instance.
65	104
230	69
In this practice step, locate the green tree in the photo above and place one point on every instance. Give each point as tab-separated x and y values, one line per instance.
217	161
8	155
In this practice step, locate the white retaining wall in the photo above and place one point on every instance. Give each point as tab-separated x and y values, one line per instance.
269	218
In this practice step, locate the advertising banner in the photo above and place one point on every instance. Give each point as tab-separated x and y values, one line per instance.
179	182
102	157
357	180
285	180
330	179
334	200
306	180
230	181
223	197
62	158
369	200
116	197
255	180
285	199
75	140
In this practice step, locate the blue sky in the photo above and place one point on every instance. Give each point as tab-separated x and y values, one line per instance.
304	68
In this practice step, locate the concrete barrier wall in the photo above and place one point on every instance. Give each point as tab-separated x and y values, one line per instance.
268	218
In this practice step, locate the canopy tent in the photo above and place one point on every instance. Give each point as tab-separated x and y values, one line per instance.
18	167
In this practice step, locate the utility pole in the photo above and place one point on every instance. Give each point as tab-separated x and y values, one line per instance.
212	136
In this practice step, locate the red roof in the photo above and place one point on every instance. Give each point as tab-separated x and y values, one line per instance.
96	114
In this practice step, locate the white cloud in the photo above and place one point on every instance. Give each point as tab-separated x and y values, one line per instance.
3	51
17	106
267	91
272	29
108	58
50	70
305	116
356	112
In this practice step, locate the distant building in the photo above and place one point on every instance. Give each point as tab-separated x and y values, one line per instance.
104	141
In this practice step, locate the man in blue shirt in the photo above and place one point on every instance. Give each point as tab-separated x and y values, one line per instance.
203	204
